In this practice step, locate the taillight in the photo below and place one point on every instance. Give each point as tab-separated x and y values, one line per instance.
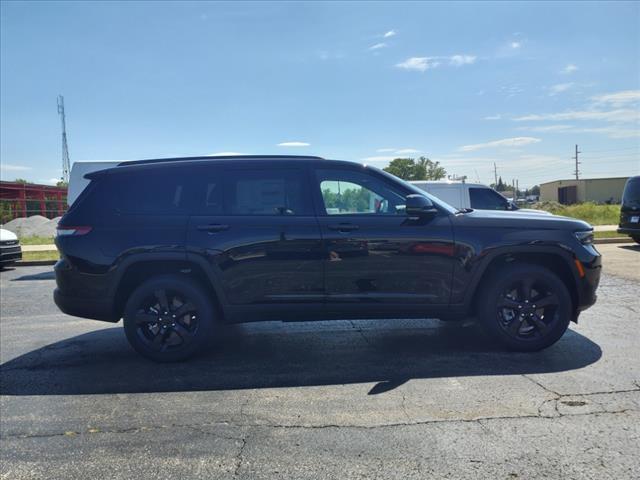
65	231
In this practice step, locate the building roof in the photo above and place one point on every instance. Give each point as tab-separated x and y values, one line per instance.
585	179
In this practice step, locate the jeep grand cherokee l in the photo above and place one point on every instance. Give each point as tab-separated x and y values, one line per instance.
177	246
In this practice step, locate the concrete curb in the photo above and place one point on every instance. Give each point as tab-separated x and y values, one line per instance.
613	240
34	263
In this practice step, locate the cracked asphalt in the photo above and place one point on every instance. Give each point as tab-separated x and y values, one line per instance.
348	399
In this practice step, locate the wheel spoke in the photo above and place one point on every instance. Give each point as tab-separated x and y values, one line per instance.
526	288
514	326
182	332
538	323
161	296
548	301
506	302
144	317
159	340
183	309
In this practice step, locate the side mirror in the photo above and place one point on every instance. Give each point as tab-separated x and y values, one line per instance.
511	205
419	206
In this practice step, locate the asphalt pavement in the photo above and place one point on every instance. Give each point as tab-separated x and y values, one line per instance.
348	399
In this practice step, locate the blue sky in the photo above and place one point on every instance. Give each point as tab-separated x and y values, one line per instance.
467	84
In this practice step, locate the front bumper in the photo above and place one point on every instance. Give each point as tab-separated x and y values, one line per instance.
10	254
629	230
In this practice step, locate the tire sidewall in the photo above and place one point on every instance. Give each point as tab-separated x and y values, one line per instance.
496	286
190	289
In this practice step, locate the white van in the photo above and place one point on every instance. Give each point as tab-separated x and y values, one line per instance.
470	195
77	182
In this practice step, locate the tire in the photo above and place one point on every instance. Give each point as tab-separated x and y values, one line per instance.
525	307
169	318
636	238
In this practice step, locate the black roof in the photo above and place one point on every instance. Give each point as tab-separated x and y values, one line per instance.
221	157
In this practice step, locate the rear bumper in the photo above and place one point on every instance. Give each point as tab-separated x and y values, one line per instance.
83	295
629	230
81	307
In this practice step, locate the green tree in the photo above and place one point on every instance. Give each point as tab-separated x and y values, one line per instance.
62	183
535	190
410	169
21	180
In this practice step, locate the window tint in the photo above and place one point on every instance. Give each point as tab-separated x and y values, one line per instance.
487	199
267	192
631	195
146	192
348	192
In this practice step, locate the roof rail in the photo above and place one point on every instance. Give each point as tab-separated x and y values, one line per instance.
220	157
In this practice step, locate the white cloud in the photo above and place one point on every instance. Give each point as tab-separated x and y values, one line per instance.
13	168
570	68
559	88
385	150
404	151
225	154
294	144
620	115
420	64
515	45
378	46
618	98
389	34
493	117
381	158
459	60
548	128
505	142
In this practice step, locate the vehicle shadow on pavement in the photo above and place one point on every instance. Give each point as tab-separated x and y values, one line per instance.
276	354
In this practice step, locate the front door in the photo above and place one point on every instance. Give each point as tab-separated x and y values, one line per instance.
256	227
374	251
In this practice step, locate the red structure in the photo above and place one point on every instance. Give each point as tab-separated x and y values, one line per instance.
26	199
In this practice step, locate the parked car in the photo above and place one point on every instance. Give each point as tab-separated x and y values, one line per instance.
630	209
463	195
175	247
10	250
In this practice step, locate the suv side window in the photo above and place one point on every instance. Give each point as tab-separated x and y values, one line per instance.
147	192
487	199
267	192
349	192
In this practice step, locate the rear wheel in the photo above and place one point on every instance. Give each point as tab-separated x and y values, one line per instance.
636	238
169	318
525	307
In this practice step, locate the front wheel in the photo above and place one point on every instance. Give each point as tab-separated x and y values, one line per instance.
168	318
525	307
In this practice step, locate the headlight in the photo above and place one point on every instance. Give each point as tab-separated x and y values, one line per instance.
585	238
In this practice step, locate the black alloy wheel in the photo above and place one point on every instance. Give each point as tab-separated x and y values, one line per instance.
169	318
525	307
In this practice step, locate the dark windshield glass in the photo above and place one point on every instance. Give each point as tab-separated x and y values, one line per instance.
631	195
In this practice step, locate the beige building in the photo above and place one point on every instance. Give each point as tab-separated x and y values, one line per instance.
598	190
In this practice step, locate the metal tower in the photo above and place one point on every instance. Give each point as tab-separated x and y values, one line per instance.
66	166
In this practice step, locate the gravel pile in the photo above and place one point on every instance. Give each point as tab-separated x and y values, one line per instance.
34	226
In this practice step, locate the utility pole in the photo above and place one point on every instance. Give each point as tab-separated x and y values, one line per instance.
577	172
495	173
517	187
65	149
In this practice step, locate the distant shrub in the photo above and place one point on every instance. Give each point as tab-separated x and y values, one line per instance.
588	211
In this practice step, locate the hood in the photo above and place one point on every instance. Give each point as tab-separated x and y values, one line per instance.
534	211
7	235
520	220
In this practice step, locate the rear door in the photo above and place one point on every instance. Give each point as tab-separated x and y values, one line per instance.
255	225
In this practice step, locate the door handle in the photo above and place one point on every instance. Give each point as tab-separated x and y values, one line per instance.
343	227
213	228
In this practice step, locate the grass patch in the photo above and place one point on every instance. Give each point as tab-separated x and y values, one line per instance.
613	234
32	256
588	211
36	240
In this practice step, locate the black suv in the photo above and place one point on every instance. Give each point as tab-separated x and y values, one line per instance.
630	209
177	246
